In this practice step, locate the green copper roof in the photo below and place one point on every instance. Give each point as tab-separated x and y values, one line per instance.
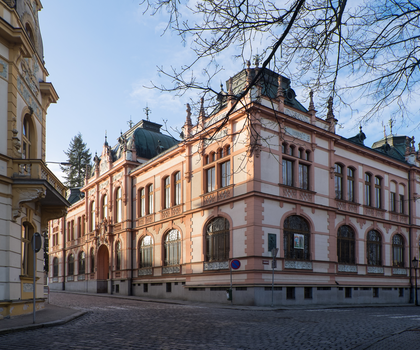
150	141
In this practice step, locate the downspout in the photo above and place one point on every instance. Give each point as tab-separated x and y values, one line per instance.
132	238
409	237
64	252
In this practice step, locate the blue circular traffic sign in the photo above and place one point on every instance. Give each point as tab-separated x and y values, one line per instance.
235	264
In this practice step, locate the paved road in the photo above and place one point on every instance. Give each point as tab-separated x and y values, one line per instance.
119	324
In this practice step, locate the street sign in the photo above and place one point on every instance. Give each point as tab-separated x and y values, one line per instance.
274	264
38	242
235	264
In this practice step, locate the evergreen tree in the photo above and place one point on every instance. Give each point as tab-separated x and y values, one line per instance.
79	157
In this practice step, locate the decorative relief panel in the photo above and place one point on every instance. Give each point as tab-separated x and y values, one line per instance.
399	271
297	115
28	98
91	192
28	287
300	265
145	271
117	176
171	269
297	134
216	265
290	193
3	69
305	196
103	185
375	269
347	268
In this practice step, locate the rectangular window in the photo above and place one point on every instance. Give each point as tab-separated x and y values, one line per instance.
167	201
401	203
225	174
211	179
308	292
378	190
142	203
287	172
272	241
168	287
145	288
338	181
348	292
150	190
393	204
177	188
400	292
350	184
290	293
368	199
304	176
376	292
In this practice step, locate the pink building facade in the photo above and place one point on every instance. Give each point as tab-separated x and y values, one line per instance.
161	218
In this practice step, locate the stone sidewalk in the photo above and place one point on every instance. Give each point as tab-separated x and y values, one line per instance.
53	315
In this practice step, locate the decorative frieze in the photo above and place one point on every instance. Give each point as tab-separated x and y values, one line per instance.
219	195
216	265
375	269
29	99
297	115
81	277
299	265
399	271
145	271
171	269
297	134
347	268
289	192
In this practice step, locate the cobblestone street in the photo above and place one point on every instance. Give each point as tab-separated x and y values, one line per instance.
113	323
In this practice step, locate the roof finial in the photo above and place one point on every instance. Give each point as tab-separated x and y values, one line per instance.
202	114
147	111
311	101
106	138
188	121
130	123
391	124
330	112
279	88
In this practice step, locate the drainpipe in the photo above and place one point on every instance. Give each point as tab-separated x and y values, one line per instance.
130	288
409	235
64	252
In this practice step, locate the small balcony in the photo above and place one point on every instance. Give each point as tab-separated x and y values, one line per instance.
34	181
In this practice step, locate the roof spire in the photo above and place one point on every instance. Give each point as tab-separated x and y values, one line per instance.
188	120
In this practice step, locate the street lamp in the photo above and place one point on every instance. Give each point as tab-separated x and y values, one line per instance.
415	264
61	163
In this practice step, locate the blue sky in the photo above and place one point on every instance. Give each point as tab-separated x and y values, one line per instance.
101	54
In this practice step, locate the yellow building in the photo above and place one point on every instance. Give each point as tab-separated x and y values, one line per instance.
30	194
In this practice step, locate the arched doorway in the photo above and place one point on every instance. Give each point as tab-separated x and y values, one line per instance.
103	269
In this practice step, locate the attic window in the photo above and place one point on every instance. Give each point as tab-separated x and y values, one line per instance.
30	33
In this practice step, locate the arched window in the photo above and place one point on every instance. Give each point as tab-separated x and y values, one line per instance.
346	245
92	260
70	265
177	194
92	216
338	181
217	240
167	192
227	150
118	205
30	33
27	137
118	255
27	252
146	252
55	267
398	251
296	238
374	248
172	248
82	263
105	207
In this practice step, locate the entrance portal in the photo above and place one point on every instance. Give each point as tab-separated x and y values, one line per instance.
103	269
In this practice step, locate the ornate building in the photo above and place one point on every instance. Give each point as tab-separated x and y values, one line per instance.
30	195
163	219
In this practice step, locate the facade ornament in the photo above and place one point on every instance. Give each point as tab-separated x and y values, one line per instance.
22	195
123	142
280	92
330	116
311	101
